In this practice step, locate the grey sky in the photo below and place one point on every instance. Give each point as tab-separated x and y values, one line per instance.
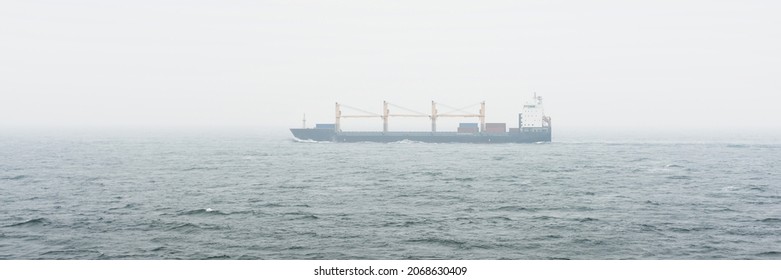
614	64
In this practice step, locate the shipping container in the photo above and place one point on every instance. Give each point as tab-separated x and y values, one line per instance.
325	126
495	127
468	130
467	125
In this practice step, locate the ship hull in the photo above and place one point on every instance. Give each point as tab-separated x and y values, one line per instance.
529	136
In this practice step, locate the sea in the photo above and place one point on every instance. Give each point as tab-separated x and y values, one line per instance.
260	194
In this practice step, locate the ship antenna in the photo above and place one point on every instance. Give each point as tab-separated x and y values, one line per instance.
304	121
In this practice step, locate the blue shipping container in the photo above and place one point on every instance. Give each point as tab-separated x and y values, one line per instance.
325	126
467	125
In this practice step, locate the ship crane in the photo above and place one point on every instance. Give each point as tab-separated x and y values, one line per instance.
339	115
435	115
387	114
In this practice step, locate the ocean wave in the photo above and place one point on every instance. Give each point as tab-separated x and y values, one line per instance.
32	222
438	241
563	170
647	227
205	211
406	141
198	168
302	215
191	227
512	208
308	217
464	179
127	206
770	254
405	223
424	173
309	141
502	218
737	146
70	253
14	178
691	229
158	249
588	241
543	217
185	227
218	257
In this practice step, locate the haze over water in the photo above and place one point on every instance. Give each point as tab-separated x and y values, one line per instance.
261	195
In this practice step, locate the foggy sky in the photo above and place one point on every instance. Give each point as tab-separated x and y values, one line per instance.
608	64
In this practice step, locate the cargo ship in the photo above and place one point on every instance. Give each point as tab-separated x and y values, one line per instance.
533	126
